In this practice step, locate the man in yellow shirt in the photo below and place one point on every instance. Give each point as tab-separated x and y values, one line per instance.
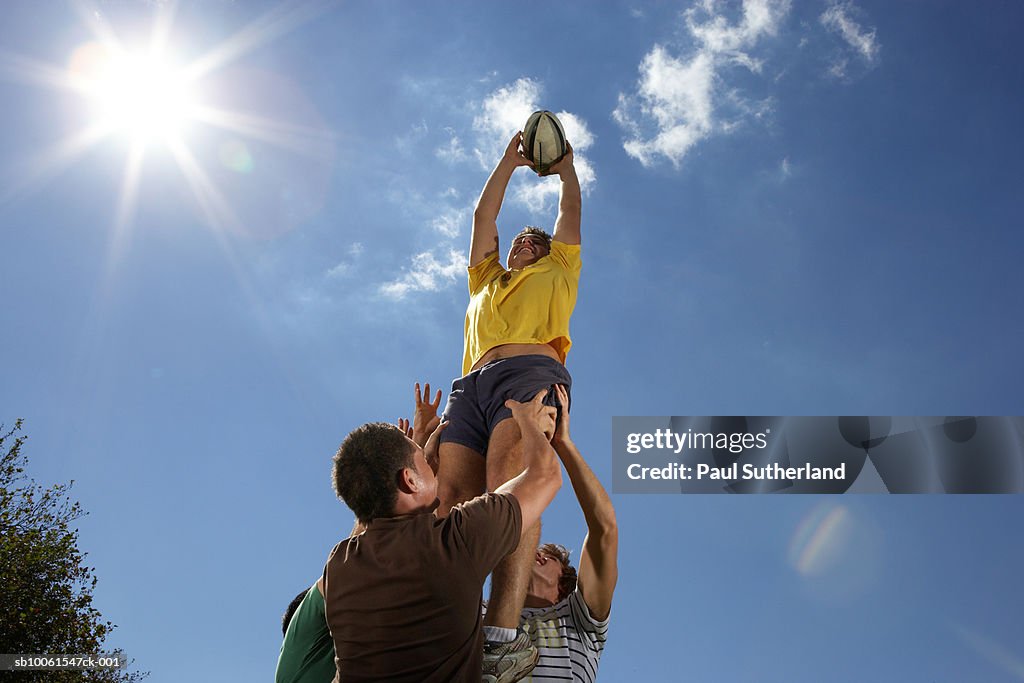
516	340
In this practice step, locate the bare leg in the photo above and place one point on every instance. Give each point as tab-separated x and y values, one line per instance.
460	475
511	578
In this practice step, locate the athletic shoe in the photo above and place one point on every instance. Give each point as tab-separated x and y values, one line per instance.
508	662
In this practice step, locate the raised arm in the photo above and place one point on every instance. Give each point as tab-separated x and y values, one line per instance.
484	240
599	567
570	203
537	484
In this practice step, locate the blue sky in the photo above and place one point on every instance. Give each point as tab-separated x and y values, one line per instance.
790	208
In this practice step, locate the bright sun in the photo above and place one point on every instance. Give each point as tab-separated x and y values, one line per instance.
139	92
146	97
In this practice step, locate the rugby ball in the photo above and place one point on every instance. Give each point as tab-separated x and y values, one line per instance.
543	140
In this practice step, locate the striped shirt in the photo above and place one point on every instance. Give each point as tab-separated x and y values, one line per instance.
570	641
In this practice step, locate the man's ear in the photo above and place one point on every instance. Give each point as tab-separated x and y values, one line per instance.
407	480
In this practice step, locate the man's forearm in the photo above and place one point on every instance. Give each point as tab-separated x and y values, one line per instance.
570	197
593	499
570	207
489	204
537	484
539	458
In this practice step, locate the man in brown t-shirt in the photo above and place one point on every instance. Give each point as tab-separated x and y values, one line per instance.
403	597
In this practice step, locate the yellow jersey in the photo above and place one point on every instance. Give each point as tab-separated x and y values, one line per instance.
528	306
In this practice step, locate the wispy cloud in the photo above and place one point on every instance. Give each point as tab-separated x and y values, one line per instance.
450	221
408	142
680	100
453	152
760	18
345	267
504	111
839	19
443	219
427	272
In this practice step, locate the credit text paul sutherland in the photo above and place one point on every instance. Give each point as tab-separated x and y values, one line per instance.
734	472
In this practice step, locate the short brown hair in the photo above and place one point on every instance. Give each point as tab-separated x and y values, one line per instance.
533	230
366	469
567	579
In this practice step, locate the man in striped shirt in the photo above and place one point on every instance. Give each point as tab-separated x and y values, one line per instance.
566	614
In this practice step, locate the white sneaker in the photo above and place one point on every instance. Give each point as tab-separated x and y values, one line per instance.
509	662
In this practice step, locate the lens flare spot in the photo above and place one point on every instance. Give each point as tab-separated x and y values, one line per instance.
819	540
235	155
836	553
88	62
993	652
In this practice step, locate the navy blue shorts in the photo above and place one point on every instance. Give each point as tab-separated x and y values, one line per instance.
476	403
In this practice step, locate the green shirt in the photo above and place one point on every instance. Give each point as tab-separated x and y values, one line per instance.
307	652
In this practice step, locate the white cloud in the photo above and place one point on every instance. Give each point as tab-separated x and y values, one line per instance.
537	195
427	273
504	112
576	131
408	142
453	152
760	18
677	100
837	18
677	95
838	68
450	221
345	267
440	217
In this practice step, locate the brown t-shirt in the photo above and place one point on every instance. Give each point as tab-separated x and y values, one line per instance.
403	598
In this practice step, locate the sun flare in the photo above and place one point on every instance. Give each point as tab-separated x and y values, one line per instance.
141	95
136	90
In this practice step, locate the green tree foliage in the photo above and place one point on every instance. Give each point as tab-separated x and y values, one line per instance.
45	586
